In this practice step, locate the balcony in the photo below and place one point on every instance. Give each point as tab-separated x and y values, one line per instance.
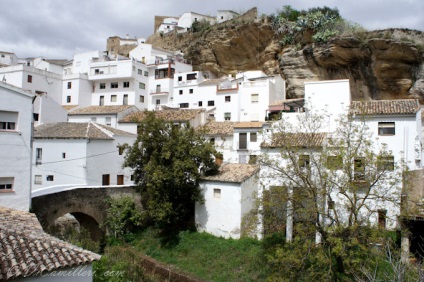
159	91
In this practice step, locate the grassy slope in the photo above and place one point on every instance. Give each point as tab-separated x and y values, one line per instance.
205	256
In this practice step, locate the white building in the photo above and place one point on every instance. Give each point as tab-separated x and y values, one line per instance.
228	196
186	20
225	15
8	59
105	115
15	139
70	155
47	110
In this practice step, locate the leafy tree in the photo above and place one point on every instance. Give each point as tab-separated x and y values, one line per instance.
329	186
168	162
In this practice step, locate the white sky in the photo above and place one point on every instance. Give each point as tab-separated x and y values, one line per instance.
57	29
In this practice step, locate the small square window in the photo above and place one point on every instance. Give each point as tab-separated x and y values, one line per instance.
304	161
141	99
113	98
200	103
253	137
190	91
139	71
386	128
180	92
120	150
114	85
49	177
102	85
157	101
29	79
217	193
212	140
255	98
132	177
6	184
211	103
141	85
68	99
63	155
126	84
69	85
146	73
183	105
108	121
180	78
386	163
227	99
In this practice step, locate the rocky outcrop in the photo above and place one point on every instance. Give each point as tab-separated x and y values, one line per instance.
384	64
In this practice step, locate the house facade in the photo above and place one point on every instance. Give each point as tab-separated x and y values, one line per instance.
15	138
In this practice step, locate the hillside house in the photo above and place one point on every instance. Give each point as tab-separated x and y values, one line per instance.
78	154
229	196
15	138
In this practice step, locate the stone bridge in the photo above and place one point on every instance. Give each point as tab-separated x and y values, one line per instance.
87	204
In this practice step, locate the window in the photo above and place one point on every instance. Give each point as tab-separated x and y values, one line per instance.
113	98
68	99
212	140
38	180
227	99
180	78
139	71
105	179
242	141
334	162
132	177
108	121
102	100
126	84
63	155
96	71
216	193
386	163
8	120
190	91
146	73
6	184
330	204
304	161
253	137
200	103
180	92
183	105
191	76
382	214
227	116
93	119
141	85
359	169
49	177
211	103
157	101
114	85
102	85
36	116
29	79
255	98
386	128
38	155
141	99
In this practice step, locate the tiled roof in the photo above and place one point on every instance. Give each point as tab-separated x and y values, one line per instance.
248	124
74	130
92	110
233	173
219	128
214	81
26	250
295	140
385	107
69	107
168	115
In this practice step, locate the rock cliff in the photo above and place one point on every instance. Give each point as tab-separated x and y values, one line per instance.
385	64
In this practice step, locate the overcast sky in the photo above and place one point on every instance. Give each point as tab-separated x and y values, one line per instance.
57	29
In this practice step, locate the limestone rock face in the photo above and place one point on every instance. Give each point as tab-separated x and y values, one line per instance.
380	64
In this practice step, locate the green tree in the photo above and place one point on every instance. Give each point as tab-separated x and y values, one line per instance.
329	186
168	162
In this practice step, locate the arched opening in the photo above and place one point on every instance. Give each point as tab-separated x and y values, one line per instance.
90	224
75	222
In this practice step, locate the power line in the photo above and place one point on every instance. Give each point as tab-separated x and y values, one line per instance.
69	175
92	156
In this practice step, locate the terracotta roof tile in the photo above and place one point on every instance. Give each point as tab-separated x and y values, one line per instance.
69	107
249	124
219	128
385	107
71	130
26	250
295	140
91	110
233	173
168	115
